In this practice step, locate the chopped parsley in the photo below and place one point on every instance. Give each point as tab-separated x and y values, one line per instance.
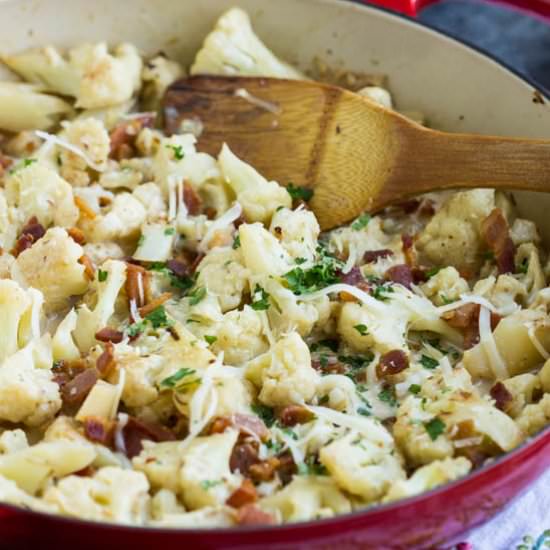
379	291
274	446
102	275
209	483
197	295
169	231
414	389
435	428
290	432
136	328
178	151
363	411
324	400
300	261
181	283
361	222
429	362
311	468
173	380
324	273
387	395
210	339
23	164
433	271
523	266
260	299
299	193
361	329
332	345
157	318
489	255
356	361
236	242
265	413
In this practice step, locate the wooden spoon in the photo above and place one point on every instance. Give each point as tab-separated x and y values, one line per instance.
355	154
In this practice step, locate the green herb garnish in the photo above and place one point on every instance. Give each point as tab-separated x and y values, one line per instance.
197	295
435	427
387	395
299	193
265	413
429	362
361	222
210	339
173	380
158	318
361	329
236	242
414	388
433	271
523	266
169	231
209	483
102	275
178	151
260	299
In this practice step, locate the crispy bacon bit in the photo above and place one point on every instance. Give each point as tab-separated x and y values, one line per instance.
419	275
220	424
76	389
392	362
239	221
286	468
294	414
31	232
502	396
23	242
196	261
264	470
178	268
210	212
106	361
88	471
123	136
245	494
466	319
85	210
409	206
136	430
372	256
248	424
77	235
252	515
132	285
353	277
151	306
401	274
5	162
89	269
108	334
99	430
191	199
496	233
407	242
243	456
427	208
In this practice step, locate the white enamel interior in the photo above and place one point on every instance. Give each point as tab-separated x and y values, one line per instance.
456	87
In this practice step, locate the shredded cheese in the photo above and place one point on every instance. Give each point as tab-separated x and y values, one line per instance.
352	259
361	295
467	299
119	437
536	342
222	222
489	346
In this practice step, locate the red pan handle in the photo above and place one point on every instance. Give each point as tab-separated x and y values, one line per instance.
413	7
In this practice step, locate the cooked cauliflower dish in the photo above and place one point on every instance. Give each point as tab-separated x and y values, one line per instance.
185	348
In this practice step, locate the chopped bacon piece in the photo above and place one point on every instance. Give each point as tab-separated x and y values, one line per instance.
495	231
353	277
191	199
99	430
220	424
84	208
242	457
151	306
135	291
294	414
32	231
245	494
124	135
239	221
106	361
427	208
5	162
250	514
89	269
264	470
392	362
88	471
178	268
409	206
23	242
502	396
136	430
466	319
286	468
210	212
108	334
248	423
76	389
419	275
372	256
77	235
474	454
401	274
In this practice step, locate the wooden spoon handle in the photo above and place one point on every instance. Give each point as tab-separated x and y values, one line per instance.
430	160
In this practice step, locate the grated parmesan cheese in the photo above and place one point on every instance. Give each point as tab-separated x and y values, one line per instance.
489	346
222	222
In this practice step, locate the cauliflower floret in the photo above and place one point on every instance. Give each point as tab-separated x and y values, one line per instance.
10	226
361	466
14	303
27	394
452	237
428	477
31	467
233	48
106	79
521	387
544	376
514	345
12	441
378	95
150	196
51	265
90	136
306	498
123	220
63	346
284	373
112	494
262	252
297	230
161	463
38	191
259	198
101	252
24	107
504	293
524	231
157	74
446	285
156	243
239	335
222	273
205	476
10	493
165	503
535	417
340	391
533	280
141	373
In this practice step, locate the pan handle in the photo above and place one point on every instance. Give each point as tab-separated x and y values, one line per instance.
539	8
